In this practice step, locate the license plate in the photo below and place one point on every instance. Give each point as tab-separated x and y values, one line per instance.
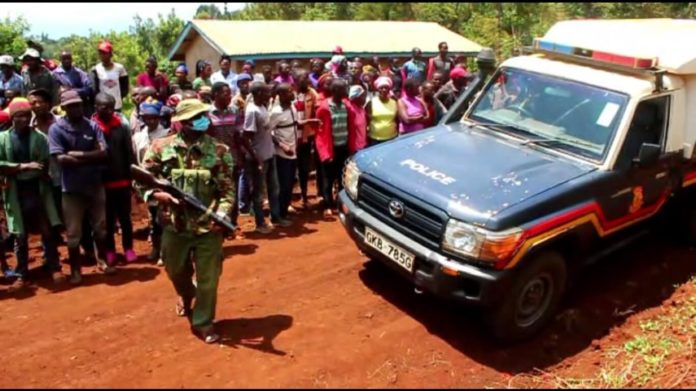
402	257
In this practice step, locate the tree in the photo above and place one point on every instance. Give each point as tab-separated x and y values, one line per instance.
12	40
208	11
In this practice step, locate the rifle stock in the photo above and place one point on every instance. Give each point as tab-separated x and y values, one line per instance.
148	179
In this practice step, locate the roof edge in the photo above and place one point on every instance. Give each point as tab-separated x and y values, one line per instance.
295	55
187	30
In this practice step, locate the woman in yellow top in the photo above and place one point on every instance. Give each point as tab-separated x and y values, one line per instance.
382	114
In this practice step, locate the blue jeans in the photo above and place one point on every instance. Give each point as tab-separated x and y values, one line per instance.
286	180
266	178
244	190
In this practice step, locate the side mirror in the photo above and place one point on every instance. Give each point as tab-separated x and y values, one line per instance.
648	156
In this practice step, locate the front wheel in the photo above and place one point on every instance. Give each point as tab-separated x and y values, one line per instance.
533	299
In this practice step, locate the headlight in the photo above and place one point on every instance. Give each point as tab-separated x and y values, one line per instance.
481	244
351	173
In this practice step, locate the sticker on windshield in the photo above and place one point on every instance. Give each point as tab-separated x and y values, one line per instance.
608	114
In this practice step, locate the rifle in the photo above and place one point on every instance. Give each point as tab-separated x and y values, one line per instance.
146	178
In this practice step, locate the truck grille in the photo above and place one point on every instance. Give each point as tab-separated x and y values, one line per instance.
420	221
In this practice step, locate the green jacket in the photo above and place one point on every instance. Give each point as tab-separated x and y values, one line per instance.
39	153
203	169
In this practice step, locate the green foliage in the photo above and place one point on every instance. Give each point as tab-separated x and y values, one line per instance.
12	36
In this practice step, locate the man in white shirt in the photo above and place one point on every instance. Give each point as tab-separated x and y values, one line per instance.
225	74
110	77
152	130
261	163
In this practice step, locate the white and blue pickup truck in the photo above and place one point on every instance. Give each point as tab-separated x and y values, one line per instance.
559	156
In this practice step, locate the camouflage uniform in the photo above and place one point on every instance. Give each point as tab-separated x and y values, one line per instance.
204	170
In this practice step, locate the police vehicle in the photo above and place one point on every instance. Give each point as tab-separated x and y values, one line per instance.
558	157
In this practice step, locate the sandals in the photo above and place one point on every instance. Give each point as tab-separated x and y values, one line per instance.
183	308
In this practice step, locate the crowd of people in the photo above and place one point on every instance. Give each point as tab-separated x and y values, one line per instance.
66	146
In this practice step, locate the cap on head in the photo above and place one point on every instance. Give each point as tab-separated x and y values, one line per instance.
30	53
151	108
19	105
458	73
6	60
69	97
105	47
189	108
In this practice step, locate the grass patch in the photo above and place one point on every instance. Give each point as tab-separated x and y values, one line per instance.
660	355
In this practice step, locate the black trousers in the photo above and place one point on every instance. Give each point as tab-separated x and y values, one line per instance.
118	206
286	181
332	172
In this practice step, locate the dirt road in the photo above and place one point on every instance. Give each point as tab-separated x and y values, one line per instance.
301	309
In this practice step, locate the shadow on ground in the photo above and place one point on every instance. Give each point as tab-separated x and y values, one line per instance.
254	333
41	279
636	278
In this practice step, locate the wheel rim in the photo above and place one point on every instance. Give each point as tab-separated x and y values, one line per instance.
534	300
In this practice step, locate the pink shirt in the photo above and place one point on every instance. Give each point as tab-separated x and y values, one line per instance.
413	108
357	133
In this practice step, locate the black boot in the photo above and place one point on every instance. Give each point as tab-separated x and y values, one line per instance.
75	266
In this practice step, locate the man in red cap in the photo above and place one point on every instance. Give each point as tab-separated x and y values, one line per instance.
28	200
110	77
450	92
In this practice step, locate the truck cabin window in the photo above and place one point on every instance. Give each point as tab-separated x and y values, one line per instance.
551	112
647	126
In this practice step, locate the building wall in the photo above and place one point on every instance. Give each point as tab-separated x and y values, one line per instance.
199	49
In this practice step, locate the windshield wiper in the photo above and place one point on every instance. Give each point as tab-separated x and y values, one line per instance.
498	125
560	140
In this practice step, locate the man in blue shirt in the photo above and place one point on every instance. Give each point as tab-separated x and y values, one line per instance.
70	77
414	68
81	150
9	79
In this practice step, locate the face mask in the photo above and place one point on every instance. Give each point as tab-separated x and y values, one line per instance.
201	124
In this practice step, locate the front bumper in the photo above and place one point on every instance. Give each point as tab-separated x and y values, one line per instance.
432	271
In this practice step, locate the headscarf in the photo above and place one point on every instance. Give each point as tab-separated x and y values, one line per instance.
200	66
369	69
323	77
182	67
355	92
383	81
174	100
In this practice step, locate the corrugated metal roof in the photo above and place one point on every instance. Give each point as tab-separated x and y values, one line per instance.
264	39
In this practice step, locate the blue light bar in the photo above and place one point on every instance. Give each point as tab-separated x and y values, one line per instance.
552	46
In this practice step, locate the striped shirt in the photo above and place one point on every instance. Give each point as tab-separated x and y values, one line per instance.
339	123
225	124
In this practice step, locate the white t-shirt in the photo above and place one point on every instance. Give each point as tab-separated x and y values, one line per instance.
108	81
284	130
143	140
257	120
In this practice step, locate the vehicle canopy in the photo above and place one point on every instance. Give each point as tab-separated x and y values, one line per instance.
669	42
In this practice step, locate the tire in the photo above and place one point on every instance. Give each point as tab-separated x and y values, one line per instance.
515	318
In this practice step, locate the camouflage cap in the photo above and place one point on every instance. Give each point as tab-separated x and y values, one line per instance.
189	108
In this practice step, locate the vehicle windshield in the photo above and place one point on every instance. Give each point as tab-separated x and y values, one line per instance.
551	112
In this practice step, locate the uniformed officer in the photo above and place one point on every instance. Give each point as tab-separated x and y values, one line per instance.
194	162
